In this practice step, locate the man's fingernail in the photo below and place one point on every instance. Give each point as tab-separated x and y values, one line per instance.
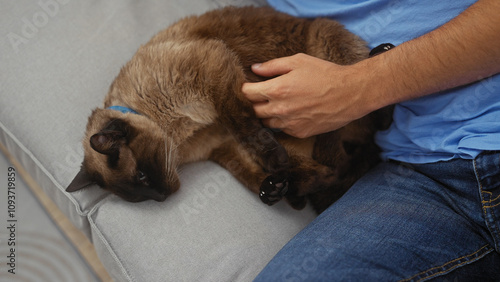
256	66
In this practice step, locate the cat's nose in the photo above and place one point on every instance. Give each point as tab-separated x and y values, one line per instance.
160	197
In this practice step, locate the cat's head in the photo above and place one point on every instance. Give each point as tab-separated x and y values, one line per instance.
128	155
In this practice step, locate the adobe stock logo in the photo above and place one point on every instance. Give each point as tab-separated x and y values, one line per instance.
32	25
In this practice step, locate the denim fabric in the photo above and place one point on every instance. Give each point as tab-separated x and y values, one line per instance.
404	222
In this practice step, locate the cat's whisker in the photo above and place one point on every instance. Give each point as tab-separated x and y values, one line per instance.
180	170
169	158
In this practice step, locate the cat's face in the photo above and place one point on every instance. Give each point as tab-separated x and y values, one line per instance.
129	156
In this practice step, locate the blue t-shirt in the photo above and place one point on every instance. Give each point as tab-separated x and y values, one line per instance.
458	123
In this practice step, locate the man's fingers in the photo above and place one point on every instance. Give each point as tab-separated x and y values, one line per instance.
262	91
275	123
255	92
273	67
262	110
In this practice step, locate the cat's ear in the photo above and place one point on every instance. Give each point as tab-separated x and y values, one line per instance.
107	143
81	180
109	140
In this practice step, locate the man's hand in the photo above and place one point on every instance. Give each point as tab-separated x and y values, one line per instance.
309	95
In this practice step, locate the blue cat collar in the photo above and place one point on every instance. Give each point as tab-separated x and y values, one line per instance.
122	109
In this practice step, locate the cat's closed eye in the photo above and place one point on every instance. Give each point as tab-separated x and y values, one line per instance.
142	178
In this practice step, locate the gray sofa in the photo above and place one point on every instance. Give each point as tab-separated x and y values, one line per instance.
57	61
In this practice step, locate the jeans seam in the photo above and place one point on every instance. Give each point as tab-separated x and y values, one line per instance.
493	228
450	266
495	205
492	200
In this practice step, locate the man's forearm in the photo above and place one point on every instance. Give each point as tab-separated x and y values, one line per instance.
464	50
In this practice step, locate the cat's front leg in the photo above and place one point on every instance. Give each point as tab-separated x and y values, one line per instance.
260	144
235	157
272	156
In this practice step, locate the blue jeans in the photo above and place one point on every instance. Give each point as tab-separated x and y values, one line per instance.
404	222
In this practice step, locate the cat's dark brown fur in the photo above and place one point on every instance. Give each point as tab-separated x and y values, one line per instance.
186	84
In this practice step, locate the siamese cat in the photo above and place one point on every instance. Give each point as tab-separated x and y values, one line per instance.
179	100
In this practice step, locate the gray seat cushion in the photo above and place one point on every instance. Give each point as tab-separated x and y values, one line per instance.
58	59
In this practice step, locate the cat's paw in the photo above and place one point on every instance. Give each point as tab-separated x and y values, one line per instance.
273	189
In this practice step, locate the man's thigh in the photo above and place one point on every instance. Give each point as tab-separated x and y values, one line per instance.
393	224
